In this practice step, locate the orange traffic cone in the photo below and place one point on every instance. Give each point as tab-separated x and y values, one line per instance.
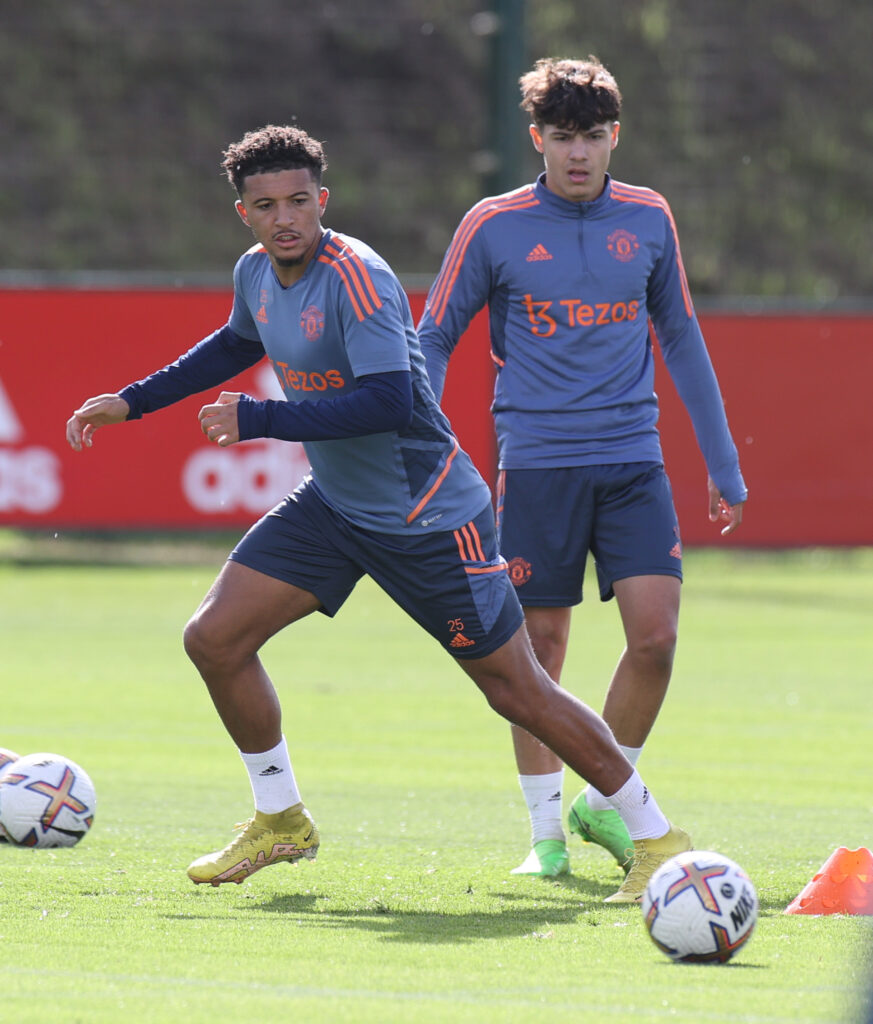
844	885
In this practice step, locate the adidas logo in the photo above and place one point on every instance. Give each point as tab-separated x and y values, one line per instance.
676	550
459	640
272	770
261	315
539	252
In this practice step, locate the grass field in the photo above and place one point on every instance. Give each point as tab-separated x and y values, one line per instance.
409	913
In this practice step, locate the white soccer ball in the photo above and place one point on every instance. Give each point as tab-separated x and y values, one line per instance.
700	907
7	756
46	800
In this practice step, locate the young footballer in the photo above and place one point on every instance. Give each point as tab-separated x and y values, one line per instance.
580	273
390	495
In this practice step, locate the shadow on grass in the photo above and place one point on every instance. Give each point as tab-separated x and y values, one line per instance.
434	928
530	912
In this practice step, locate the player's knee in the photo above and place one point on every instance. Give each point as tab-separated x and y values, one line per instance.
502	699
550	650
201	643
548	629
215	647
516	699
194	641
656	648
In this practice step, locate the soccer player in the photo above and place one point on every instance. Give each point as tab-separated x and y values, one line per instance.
390	494
573	267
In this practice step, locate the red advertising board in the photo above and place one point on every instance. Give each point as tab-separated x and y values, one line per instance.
57	348
796	389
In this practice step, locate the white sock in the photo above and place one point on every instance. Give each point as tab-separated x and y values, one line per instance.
594	798
543	795
272	777
639	810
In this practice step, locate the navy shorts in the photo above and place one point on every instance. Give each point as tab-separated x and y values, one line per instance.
549	519
453	583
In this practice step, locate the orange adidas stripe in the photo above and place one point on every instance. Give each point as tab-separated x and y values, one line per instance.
436	485
482	212
478	571
342	263
470	549
356	278
359	313
466	544
366	283
459	540
521	199
474	542
646	197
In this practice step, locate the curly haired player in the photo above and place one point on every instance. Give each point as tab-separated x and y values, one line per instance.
390	495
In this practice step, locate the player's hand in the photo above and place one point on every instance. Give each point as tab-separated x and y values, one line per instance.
720	510
97	412
219	421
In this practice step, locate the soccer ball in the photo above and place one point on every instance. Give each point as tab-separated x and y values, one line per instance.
46	800
6	758
700	907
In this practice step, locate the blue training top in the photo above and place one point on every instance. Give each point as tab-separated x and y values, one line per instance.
344	324
570	289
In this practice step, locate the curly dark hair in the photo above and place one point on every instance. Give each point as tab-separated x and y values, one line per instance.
272	148
571	94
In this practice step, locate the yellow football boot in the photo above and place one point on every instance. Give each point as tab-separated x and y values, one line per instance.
264	839
649	855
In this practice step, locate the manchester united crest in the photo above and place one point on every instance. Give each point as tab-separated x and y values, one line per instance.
622	245
519	571
312	323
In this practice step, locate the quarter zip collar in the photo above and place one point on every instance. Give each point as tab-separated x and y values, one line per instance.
565	208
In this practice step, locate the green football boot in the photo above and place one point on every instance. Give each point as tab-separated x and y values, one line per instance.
547	859
604	828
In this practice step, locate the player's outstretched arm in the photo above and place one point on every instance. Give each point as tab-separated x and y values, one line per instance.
99	411
719	509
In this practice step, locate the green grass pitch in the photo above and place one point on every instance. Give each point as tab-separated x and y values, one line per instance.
409	914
